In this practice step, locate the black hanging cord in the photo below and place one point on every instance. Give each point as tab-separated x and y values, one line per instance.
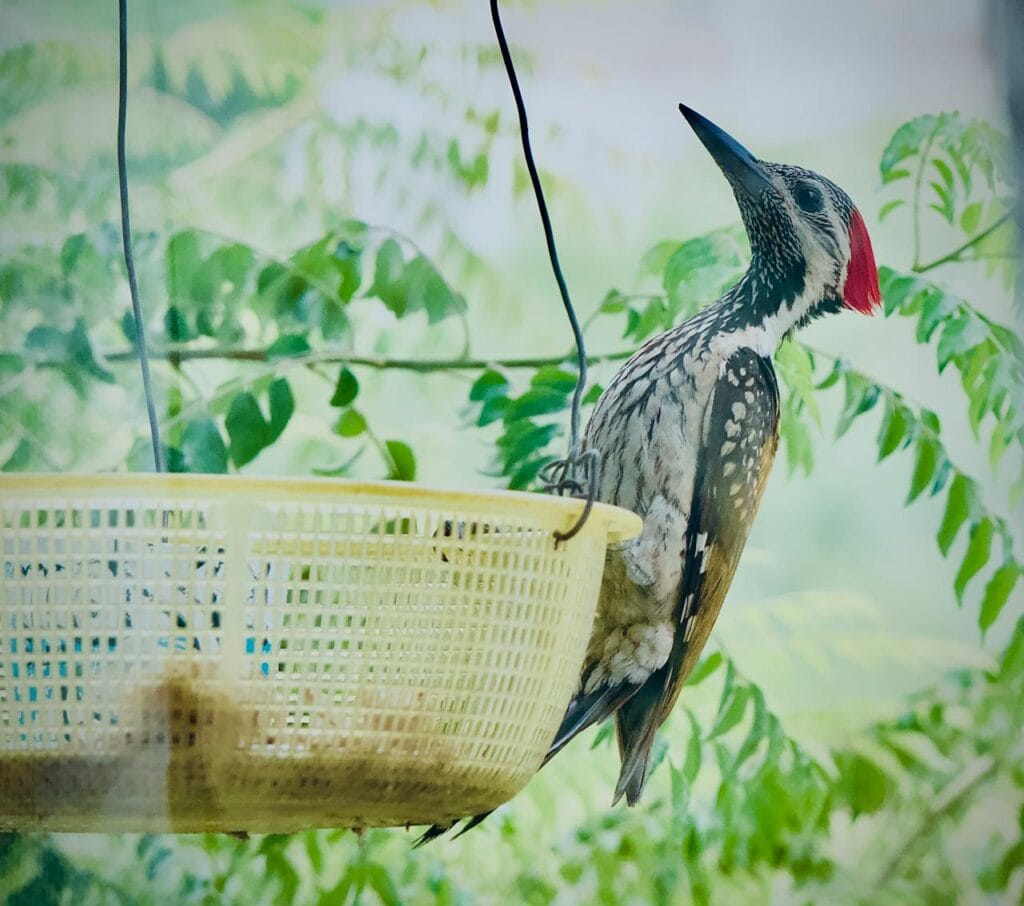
126	233
559	476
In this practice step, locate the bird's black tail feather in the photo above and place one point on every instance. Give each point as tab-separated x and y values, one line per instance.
637	723
587	709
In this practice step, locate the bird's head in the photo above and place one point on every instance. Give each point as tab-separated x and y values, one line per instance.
810	247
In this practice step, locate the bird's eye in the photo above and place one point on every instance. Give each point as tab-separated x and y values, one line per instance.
809	198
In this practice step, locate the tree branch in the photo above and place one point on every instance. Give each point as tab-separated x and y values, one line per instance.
259	354
957	252
953	794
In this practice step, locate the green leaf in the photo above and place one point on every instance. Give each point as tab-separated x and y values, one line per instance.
730	711
350	424
348	262
473	174
202	447
838	370
959	335
490	384
936	307
82	354
924	466
333	266
613	303
555	377
232	263
380	882
282	406
20	459
893	429
796	368
944	171
862	783
997	592
697	270
1011	661
493	409
314	852
861	396
521	440
592	395
176	326
931	421
288	346
691	766
889	207
128	328
898	173
10	364
183	260
526	473
536	401
71	252
896	289
247	429
978	549
346	389
655	316
705	668
945	203
905	143
758	728
960	504
286	296
387	276
72	348
428	291
971	217
334	322
403	461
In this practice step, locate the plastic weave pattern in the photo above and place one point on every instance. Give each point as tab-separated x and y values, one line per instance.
198	653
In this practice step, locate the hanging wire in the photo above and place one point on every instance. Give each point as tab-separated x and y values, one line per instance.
577	474
126	233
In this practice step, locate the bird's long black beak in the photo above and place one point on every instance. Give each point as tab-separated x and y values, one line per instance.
737	163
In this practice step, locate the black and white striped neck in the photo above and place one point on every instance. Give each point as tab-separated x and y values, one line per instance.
766	305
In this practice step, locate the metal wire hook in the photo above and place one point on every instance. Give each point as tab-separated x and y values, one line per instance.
559	476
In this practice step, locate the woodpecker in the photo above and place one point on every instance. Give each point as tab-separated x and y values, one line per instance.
687	432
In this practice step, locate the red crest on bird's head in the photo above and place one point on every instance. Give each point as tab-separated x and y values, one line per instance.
860	291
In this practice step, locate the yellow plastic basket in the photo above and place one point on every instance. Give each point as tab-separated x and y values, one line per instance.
200	653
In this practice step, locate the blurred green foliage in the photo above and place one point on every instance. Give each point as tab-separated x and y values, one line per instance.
738	810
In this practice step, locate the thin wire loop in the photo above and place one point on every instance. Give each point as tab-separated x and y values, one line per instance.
126	233
560	476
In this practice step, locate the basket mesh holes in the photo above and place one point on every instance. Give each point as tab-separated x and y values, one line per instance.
397	634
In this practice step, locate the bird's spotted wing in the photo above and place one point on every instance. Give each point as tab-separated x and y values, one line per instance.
739	440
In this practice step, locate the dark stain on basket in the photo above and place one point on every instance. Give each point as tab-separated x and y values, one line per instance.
201	761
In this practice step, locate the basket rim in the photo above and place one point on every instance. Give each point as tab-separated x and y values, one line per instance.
555	512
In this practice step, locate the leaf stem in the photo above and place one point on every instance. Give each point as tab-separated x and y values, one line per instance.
953	794
957	252
917	193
